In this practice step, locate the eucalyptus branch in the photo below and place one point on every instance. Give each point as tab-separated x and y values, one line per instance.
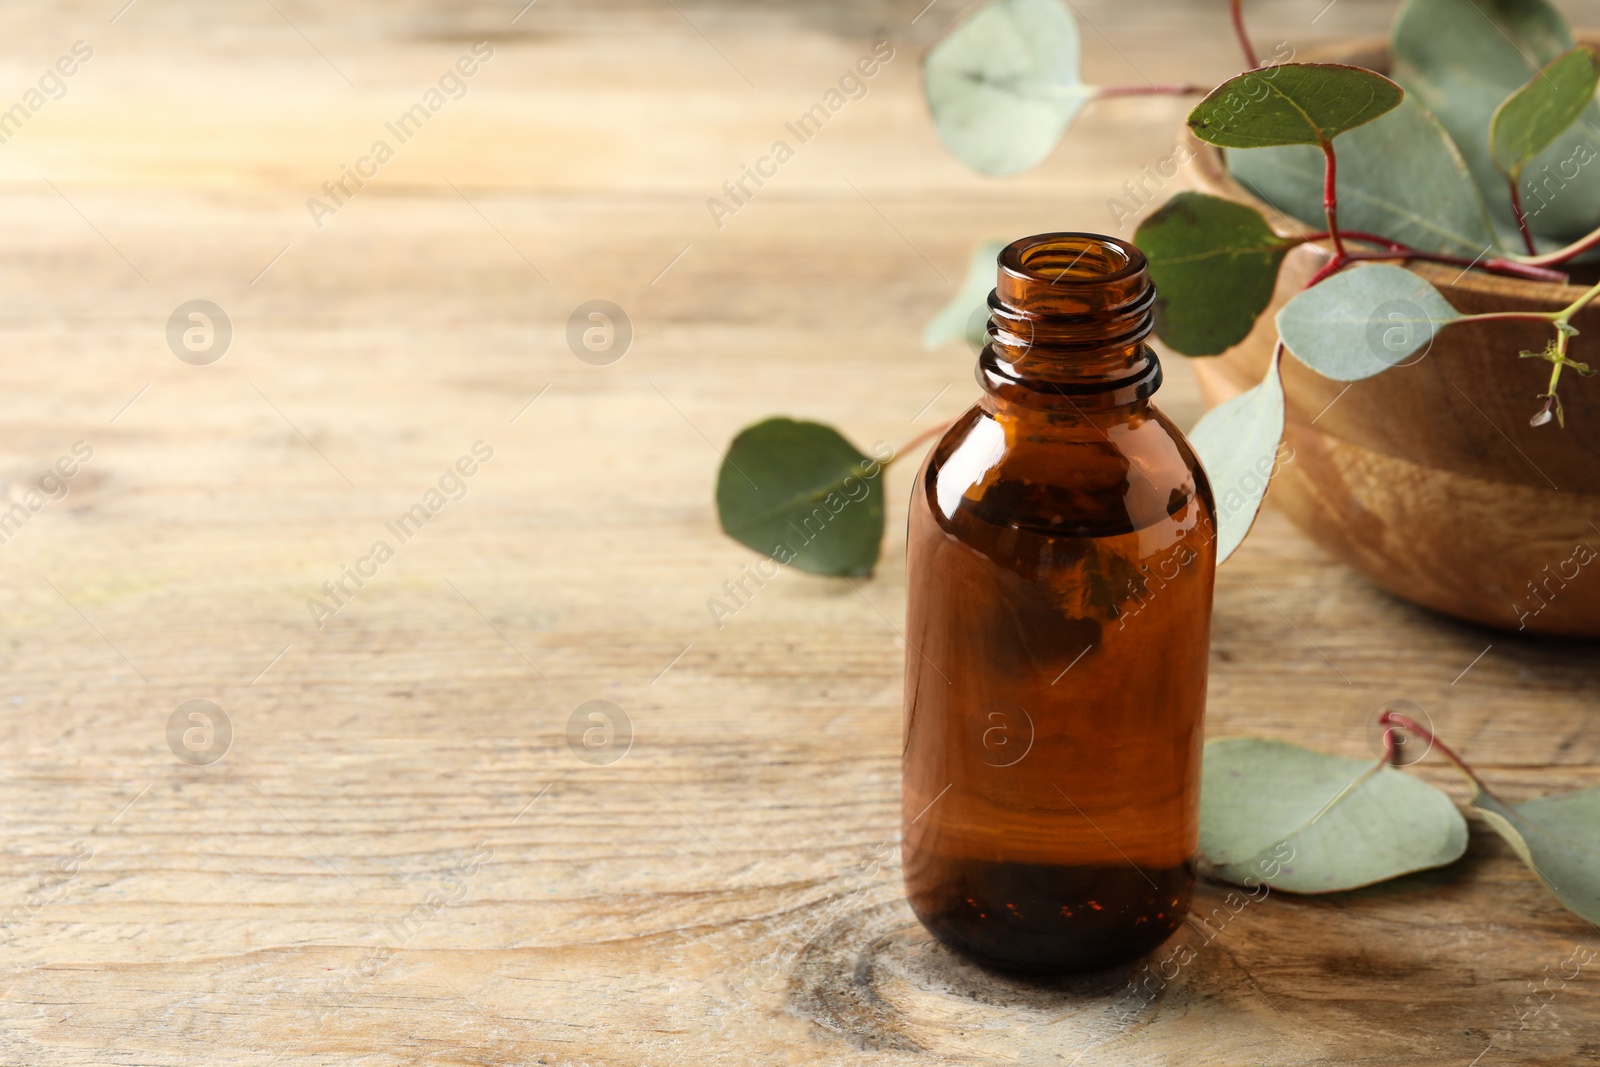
1252	61
1179	89
1555	352
919	439
1330	207
1406	722
1329	269
1398	250
1522	216
1562	255
1489	266
1564	316
1562	319
1330	199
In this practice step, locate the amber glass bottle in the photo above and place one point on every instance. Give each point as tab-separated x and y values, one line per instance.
1061	553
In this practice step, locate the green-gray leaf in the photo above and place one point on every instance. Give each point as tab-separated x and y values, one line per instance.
1535	115
1237	442
967	314
1559	838
1307	822
1004	84
1363	321
1214	263
1295	103
1400	177
1461	61
801	493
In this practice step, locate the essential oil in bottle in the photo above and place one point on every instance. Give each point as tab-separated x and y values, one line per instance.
1061	554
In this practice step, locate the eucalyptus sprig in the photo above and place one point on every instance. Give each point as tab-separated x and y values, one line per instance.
1555	352
1459	155
1302	821
1531	118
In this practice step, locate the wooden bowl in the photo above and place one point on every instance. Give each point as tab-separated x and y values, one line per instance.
1427	478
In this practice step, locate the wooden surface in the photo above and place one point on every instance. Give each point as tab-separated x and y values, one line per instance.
400	860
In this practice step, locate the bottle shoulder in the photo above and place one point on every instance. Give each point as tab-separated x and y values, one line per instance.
1064	476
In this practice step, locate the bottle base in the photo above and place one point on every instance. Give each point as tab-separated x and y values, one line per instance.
1044	919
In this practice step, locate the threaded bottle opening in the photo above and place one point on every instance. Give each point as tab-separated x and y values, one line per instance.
1069	315
1080	285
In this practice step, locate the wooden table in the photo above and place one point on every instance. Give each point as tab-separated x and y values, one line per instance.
400	858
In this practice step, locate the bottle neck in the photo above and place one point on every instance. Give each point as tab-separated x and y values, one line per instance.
1068	319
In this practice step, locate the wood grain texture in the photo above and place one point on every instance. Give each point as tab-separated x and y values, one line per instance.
400	860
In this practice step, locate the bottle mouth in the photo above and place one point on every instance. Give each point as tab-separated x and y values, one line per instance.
1071	259
1069	315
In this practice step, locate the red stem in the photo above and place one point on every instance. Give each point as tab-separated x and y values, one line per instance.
1330	198
1368	238
1562	255
1404	251
1524	270
917	440
1391	748
1506	316
1391	254
1406	722
1496	266
1151	90
1522	218
1329	269
1244	38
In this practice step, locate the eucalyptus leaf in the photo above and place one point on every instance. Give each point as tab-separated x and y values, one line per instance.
1559	838
1293	103
1004	84
1400	177
1307	822
1237	442
801	493
967	313
1461	60
1215	264
1531	118
1364	320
